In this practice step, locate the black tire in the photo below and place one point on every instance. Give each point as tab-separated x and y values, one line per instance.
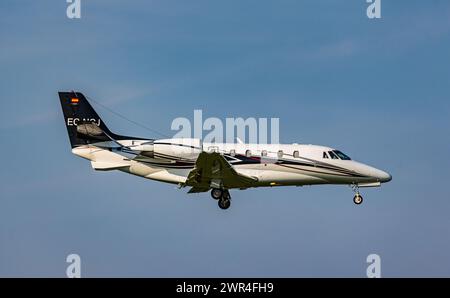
358	199
224	204
216	193
226	195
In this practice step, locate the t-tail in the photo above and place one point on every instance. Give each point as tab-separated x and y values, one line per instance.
84	125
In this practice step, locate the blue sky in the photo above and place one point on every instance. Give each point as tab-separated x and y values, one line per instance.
376	89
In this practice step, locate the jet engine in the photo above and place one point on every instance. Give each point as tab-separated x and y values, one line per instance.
171	149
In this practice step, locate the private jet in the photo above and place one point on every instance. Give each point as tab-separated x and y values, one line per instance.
214	167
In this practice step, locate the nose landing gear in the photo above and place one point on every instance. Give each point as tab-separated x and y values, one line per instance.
222	196
357	199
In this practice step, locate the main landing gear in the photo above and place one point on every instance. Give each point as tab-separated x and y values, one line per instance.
222	196
357	199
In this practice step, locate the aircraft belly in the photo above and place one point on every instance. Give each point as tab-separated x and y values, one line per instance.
165	176
141	169
272	174
287	178
158	173
275	174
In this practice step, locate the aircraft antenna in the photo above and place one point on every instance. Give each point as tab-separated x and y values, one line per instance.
127	119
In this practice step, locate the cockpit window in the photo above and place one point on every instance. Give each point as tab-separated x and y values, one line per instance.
333	155
341	155
325	155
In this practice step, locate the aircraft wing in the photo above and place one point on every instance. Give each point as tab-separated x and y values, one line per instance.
212	170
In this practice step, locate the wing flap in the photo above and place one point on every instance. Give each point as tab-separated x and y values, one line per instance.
212	170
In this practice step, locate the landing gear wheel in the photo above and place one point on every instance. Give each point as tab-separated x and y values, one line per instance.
216	193
224	203
226	195
357	199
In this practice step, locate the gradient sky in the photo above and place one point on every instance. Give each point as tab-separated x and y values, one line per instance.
376	89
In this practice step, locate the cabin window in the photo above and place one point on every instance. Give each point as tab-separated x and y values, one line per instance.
280	154
333	155
296	154
248	153
232	152
325	155
264	153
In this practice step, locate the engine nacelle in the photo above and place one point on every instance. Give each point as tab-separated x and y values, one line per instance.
177	149
146	149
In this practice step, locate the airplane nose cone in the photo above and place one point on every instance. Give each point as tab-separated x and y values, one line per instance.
374	174
384	176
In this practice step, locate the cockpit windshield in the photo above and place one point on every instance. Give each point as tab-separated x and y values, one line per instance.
341	155
333	155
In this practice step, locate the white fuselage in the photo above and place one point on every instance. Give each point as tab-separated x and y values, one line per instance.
171	160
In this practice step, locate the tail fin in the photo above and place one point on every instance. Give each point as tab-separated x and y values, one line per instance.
83	123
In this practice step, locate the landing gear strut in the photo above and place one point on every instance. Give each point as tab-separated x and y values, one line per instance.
357	199
223	197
